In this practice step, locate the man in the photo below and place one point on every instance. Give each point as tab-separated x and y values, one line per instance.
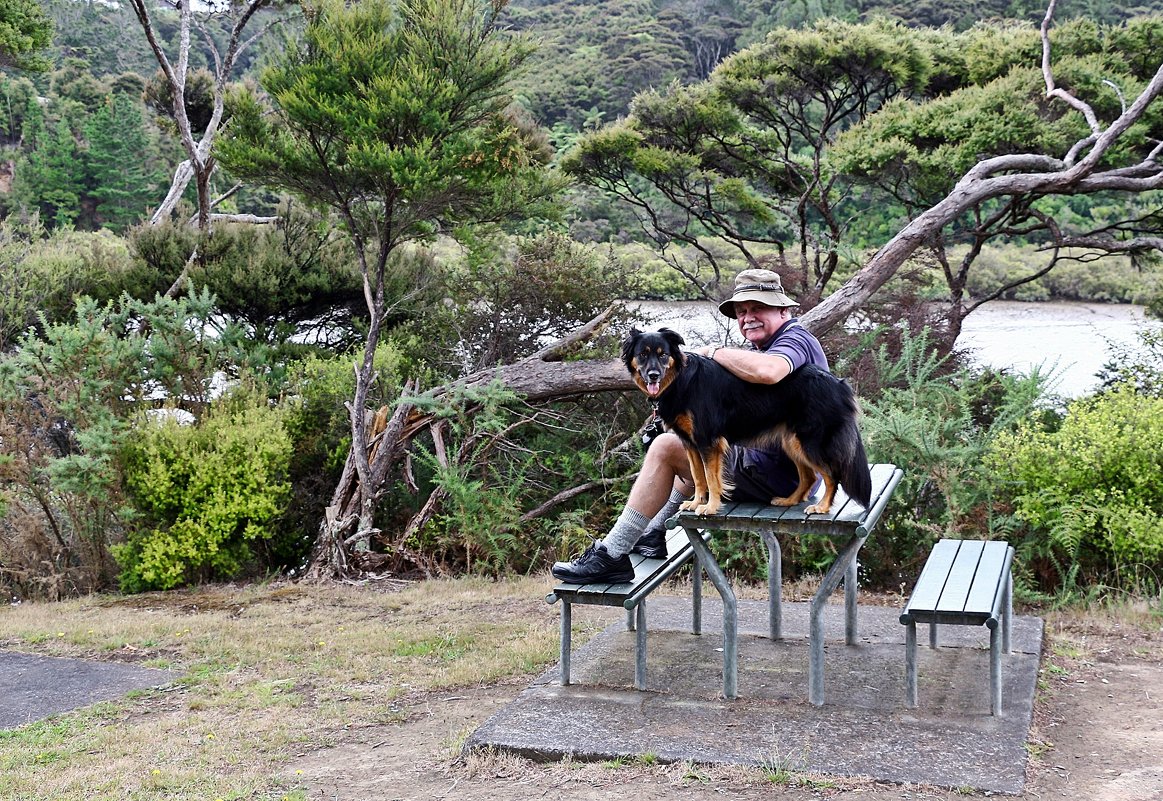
776	345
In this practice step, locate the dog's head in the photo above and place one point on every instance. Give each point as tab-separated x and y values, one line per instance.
653	358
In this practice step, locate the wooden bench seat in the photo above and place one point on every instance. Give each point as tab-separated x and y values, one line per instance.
963	582
631	595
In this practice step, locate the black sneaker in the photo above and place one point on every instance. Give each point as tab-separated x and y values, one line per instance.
652	544
595	566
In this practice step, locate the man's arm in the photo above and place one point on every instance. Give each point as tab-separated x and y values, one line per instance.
750	365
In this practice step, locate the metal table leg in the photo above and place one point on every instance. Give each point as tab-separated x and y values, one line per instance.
828	585
774	584
730	612
566	635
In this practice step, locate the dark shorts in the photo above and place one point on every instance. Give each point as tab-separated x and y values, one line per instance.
759	486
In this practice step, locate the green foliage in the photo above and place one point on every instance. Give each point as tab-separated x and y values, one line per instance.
204	493
198	95
938	423
510	296
1139	366
1088	490
50	177
742	156
596	56
500	460
918	146
67	396
41	274
15	94
123	183
482	497
88	160
25	33
375	114
293	278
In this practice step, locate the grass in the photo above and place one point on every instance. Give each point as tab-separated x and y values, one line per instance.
262	673
267	673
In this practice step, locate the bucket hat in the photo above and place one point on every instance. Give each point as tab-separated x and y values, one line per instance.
763	286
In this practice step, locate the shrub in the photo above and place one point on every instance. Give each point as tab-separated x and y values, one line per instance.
938	426
203	492
1089	491
293	278
67	396
41	275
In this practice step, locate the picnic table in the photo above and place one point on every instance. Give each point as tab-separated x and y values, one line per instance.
847	522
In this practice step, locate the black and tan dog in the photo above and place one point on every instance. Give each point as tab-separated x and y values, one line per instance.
811	414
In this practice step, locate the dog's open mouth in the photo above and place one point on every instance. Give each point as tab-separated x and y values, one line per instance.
653	388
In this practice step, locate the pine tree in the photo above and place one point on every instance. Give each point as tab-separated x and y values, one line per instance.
118	170
49	178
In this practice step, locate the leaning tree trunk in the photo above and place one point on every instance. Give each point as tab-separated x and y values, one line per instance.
340	549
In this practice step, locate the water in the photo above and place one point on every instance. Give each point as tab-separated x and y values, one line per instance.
1071	340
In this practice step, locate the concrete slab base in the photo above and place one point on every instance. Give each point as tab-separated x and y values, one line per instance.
33	687
863	728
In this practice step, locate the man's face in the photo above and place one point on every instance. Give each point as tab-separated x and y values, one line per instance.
758	322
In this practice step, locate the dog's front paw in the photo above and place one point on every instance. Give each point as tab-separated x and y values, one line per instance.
782	502
688	506
817	509
708	508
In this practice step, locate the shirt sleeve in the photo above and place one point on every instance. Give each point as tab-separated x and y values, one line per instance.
792	348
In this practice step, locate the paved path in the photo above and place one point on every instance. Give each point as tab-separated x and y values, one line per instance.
863	729
33	687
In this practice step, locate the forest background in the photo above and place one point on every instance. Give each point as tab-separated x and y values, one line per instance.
170	418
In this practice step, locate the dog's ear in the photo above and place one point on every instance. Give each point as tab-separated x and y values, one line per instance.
628	344
673	337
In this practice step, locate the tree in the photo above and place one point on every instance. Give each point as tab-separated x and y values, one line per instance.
742	156
1117	152
394	116
118	169
192	19
49	177
25	32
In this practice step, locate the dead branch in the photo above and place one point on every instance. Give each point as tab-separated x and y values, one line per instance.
571	493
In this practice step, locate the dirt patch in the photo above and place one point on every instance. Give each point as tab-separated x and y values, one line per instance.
1096	735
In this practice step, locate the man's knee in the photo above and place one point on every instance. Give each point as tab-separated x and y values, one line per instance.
669	450
665	447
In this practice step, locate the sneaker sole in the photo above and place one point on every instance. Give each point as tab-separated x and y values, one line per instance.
620	578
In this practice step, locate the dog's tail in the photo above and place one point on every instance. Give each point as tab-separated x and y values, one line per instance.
855	480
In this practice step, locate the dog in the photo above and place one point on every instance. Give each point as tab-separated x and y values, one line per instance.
811	414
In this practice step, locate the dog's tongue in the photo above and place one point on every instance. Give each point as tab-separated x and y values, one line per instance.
653	388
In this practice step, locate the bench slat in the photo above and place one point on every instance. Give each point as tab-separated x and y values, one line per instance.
960	577
845	516
931	582
648	574
983	595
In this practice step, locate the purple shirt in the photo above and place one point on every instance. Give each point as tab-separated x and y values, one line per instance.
798	346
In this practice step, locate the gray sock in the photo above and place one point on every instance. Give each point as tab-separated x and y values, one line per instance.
667	511
625	532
